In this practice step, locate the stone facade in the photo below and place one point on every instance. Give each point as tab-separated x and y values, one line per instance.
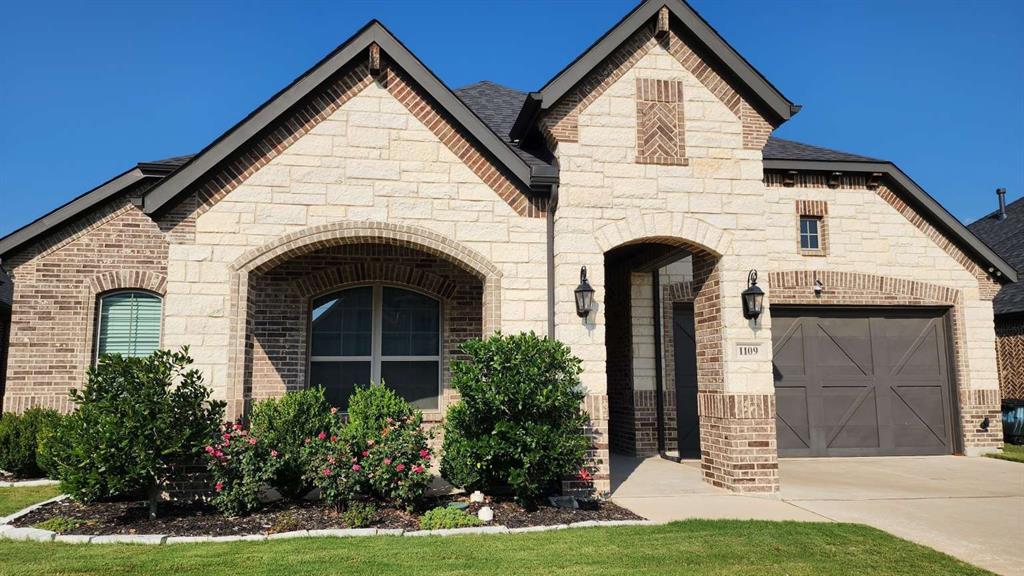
370	179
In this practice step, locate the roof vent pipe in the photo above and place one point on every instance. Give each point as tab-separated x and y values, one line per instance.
1001	193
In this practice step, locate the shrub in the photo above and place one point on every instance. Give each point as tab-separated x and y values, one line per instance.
19	441
381	454
285	423
359	514
519	423
241	465
59	524
443	518
136	419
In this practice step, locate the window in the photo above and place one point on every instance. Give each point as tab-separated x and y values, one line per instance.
377	334
128	324
810	237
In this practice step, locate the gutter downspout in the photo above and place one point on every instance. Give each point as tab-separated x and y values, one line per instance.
552	206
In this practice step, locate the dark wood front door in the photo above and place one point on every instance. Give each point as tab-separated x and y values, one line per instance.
852	382
685	362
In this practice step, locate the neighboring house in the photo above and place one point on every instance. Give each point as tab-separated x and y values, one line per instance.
1003	230
6	295
367	219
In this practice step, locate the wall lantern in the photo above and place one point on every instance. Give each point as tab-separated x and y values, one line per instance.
753	297
584	295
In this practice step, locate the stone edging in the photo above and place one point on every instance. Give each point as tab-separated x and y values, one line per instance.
28	483
9	532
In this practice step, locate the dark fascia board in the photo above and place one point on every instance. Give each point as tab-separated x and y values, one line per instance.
557	87
83	203
373	32
930	207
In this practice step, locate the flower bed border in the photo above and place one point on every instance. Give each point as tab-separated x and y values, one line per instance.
28	483
10	532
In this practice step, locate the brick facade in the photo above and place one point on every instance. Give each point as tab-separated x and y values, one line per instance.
1010	351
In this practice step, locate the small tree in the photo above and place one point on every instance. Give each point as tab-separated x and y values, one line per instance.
136	419
520	422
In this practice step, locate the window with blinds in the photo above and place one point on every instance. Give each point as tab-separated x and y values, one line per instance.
128	324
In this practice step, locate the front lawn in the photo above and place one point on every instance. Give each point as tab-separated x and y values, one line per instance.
701	547
1010	452
14	499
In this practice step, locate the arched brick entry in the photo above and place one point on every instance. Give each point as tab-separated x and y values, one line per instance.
303	242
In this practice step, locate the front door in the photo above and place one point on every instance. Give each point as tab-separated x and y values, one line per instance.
685	356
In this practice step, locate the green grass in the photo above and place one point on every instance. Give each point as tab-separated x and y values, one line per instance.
1010	452
14	499
731	548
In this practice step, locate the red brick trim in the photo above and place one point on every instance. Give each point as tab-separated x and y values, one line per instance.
660	122
299	243
338	278
738	442
561	122
986	285
321	105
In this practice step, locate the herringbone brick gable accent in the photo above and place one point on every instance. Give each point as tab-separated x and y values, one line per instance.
1010	357
561	122
659	122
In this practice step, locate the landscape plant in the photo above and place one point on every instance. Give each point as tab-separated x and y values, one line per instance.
241	465
19	441
136	420
285	423
445	517
519	424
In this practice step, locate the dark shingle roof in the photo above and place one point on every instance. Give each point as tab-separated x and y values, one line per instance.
1006	237
779	149
498	106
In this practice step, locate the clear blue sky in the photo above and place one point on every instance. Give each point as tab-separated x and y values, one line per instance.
89	89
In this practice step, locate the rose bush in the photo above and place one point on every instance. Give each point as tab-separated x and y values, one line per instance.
241	465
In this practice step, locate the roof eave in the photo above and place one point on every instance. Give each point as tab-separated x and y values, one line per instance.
772	99
250	127
918	195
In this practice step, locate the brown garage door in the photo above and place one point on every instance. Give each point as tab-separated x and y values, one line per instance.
857	382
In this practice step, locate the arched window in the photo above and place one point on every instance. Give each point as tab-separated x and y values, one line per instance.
377	334
128	323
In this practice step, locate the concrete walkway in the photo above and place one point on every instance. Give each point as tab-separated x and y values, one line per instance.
970	508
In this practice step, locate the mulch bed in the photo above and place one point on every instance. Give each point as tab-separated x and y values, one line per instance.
198	519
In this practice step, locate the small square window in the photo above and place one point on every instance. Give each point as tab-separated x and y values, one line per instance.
810	235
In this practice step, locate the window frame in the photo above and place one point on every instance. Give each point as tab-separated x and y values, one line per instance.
98	321
818	233
376	357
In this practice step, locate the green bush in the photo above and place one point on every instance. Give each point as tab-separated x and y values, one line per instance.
519	423
380	455
285	423
59	524
19	441
137	418
444	518
242	465
359	514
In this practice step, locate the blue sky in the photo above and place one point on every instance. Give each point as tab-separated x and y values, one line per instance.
88	90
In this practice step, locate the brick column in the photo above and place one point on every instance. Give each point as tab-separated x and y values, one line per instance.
738	444
975	407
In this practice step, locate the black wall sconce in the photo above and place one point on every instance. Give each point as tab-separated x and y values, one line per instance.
584	295
753	297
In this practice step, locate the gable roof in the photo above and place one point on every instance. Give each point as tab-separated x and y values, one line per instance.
532	175
1006	237
75	207
766	96
920	200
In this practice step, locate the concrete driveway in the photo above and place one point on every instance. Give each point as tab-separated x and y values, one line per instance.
970	508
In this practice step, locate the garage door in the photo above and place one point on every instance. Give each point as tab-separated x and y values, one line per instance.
855	382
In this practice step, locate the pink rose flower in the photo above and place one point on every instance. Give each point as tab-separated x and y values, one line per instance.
252	440
237	426
371	442
334	410
356	467
400	467
227	436
321	436
227	443
366	453
219	486
330	459
326	471
273	453
334	438
209	449
387	461
425	454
